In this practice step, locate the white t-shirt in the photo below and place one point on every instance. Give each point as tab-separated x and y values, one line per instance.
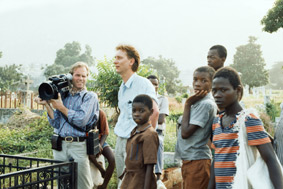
163	107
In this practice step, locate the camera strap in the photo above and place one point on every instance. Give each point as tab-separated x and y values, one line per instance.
77	127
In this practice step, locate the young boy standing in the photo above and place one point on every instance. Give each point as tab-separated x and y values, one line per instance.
199	112
163	106
141	147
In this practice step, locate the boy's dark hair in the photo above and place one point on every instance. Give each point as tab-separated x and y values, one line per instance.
152	77
231	74
131	53
222	52
144	99
206	69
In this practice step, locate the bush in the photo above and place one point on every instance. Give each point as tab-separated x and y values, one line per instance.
273	110
174	116
179	99
33	137
185	95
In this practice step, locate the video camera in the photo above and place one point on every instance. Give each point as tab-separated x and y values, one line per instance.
56	84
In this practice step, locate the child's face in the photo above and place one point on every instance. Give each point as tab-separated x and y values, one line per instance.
201	81
223	92
141	113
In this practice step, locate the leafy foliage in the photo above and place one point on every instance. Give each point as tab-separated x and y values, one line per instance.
249	62
107	82
274	18
35	136
276	75
67	56
0	54
273	110
166	71
10	74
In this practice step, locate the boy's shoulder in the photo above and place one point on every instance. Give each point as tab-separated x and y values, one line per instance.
150	133
207	101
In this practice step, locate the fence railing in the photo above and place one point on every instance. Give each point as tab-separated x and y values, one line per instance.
18	99
27	172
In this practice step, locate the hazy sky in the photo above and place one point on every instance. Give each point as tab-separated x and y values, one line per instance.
31	31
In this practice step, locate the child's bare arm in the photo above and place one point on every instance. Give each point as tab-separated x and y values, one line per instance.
148	173
103	139
268	155
187	128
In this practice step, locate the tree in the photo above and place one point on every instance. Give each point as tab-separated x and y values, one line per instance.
166	70
249	62
274	18
67	56
276	75
0	54
9	75
107	82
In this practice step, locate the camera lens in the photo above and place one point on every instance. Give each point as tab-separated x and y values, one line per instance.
46	91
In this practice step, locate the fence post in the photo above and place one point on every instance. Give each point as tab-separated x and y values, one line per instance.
1	99
10	99
31	101
5	104
15	103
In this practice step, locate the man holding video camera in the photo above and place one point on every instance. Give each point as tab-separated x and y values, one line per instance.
71	118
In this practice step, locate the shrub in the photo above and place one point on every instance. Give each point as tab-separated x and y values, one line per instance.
29	138
273	110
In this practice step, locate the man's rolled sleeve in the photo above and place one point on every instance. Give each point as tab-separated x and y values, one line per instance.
56	121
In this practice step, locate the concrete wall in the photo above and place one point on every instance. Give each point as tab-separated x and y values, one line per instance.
5	114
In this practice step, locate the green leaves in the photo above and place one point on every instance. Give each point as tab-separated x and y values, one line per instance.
67	56
249	62
166	71
27	139
9	75
107	82
274	18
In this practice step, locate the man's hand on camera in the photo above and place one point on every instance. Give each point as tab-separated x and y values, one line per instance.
57	103
38	100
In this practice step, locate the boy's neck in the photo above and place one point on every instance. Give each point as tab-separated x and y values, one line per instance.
233	109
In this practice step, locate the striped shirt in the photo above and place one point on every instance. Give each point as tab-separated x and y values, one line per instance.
226	145
83	111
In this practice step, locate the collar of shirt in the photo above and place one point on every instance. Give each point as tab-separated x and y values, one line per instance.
141	129
130	81
81	92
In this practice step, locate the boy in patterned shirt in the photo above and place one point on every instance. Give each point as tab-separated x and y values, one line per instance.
226	90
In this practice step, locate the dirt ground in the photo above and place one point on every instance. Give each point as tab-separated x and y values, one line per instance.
21	118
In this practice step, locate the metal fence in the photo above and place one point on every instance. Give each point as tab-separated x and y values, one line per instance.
30	173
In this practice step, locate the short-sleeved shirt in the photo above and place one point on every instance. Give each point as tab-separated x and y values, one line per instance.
163	107
141	150
226	144
135	85
102	124
195	147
